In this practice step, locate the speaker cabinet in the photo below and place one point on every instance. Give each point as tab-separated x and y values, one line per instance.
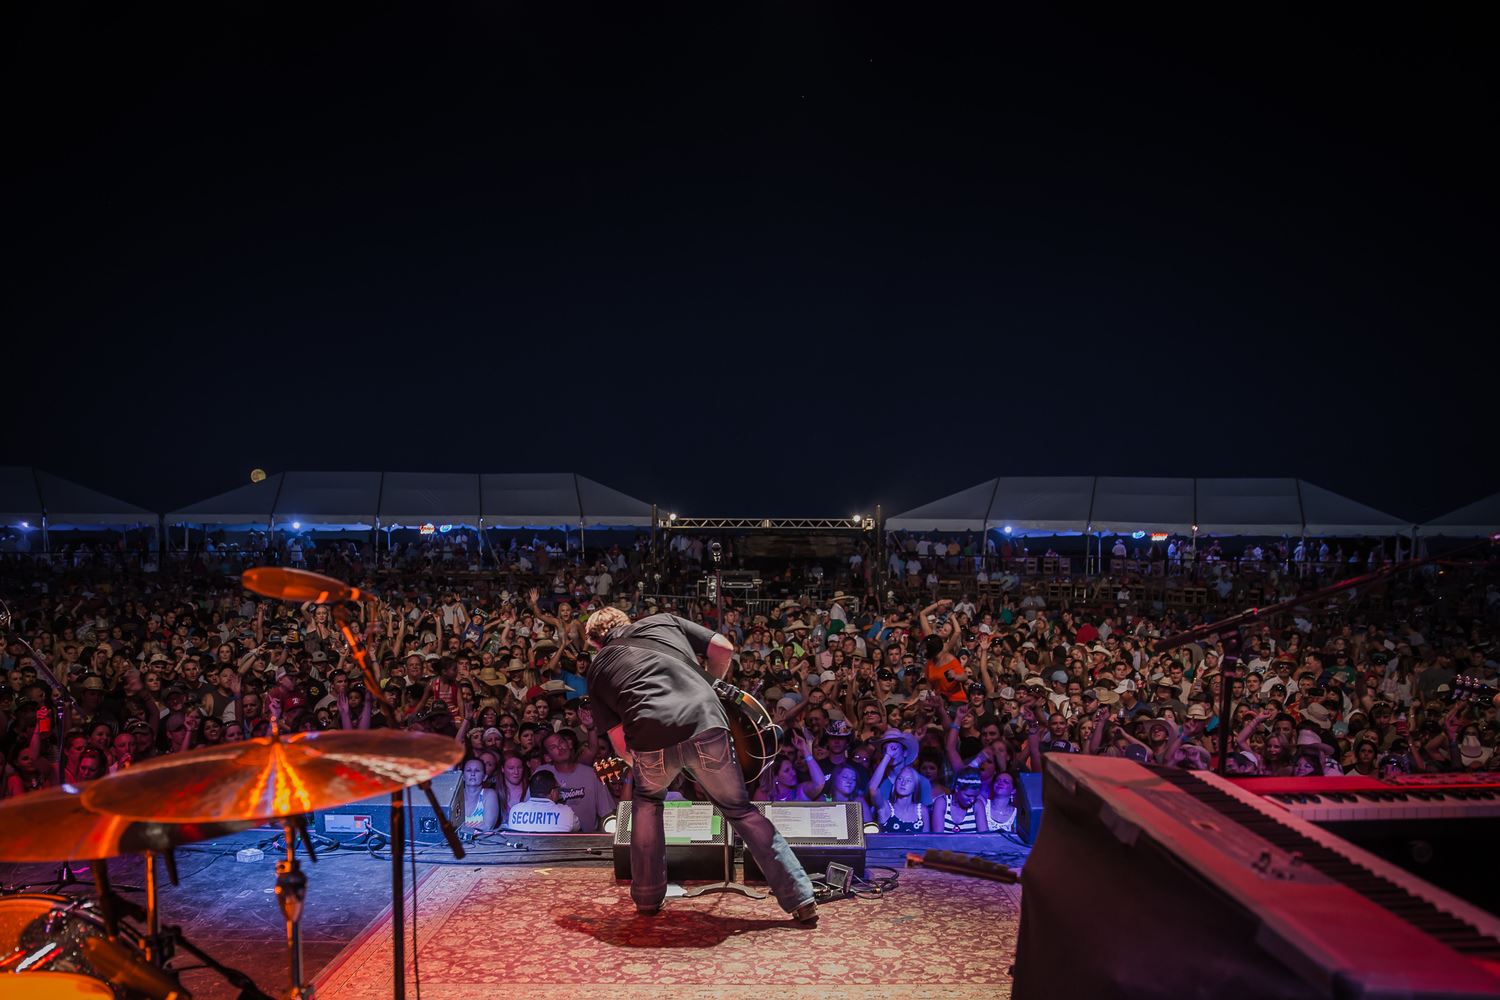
817	833
1029	806
692	861
346	822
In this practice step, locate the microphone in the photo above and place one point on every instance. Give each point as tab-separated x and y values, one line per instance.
299	585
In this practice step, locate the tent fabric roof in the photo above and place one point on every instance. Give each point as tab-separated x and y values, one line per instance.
1113	504
412	498
27	494
1479	519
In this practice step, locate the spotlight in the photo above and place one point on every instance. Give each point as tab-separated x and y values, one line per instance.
1195	529
1008	529
858	518
25	524
296	525
671	517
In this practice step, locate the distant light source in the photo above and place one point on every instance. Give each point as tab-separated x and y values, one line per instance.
296	525
257	475
1008	529
25	524
1137	534
426	529
1158	536
671	517
1195	529
443	529
858	518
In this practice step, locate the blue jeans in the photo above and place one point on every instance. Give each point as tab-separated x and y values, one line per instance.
710	758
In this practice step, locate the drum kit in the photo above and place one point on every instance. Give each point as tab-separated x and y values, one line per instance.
102	945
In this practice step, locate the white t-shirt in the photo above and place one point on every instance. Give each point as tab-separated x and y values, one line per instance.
541	816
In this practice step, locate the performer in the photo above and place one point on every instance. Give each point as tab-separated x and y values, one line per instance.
645	688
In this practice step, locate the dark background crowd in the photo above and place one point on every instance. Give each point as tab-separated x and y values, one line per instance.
921	695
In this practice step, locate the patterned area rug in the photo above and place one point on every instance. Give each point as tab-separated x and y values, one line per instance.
571	931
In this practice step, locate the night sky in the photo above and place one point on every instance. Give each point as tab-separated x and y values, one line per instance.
753	258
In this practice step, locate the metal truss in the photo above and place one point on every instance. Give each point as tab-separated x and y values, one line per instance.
767	524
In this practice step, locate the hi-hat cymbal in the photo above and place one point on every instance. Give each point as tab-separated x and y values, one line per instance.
53	825
266	778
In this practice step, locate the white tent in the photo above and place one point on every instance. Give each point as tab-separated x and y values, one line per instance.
413	498
1480	519
1033	505
32	496
1126	504
408	499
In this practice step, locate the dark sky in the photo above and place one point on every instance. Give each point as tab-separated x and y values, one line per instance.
751	258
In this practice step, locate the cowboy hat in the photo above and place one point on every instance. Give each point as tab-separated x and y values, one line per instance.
907	740
1309	741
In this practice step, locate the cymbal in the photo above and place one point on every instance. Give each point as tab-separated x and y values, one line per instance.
53	825
268	777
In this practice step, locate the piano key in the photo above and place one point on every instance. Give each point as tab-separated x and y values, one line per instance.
1440	901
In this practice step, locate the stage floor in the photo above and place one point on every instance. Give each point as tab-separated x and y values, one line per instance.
574	932
556	917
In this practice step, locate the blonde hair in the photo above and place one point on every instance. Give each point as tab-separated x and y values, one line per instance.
604	620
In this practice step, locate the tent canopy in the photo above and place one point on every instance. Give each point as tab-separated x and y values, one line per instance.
1033	505
407	499
1480	519
28	494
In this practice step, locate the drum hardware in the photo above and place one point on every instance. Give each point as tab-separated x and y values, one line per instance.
301	586
207	792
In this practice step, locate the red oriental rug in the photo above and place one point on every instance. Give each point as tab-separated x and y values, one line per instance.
574	933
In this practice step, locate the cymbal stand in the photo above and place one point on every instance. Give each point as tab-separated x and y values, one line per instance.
398	808
163	942
291	889
174	938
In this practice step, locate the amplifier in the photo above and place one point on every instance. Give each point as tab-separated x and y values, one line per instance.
344	823
817	833
696	856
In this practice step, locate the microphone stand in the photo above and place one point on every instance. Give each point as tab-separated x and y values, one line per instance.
729	884
61	697
1230	630
398	809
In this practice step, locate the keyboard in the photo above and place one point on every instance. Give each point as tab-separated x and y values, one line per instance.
1355	799
1345	922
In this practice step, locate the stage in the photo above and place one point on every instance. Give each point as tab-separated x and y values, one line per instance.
552	916
574	932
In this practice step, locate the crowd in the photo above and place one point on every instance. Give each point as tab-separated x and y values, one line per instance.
922	712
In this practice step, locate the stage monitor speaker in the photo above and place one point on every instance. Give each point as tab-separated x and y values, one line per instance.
1029	806
818	833
689	859
346	822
